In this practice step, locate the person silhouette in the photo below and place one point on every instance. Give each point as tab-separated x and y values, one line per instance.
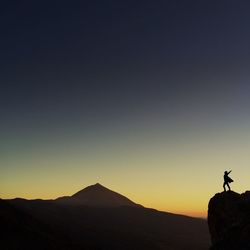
227	180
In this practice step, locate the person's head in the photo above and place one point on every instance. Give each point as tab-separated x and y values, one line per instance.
225	172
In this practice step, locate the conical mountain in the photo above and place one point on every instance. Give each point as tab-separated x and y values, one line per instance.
98	195
96	218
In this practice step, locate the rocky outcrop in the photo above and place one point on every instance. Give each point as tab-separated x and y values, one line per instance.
229	221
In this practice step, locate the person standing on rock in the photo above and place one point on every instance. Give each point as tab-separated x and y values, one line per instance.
227	180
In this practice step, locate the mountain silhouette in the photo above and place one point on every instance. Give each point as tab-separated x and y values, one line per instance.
97	195
21	230
96	223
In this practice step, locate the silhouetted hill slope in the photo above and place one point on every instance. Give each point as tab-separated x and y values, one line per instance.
20	230
97	195
110	227
229	221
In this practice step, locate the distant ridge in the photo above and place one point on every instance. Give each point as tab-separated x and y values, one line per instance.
96	218
97	195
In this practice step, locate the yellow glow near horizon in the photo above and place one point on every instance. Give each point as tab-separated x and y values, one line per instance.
174	175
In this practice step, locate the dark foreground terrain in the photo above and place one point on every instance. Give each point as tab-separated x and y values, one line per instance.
229	221
70	223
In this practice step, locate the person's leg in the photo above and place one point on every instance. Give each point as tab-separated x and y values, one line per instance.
224	186
228	186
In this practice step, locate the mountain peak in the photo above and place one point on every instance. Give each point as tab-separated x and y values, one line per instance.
98	195
94	186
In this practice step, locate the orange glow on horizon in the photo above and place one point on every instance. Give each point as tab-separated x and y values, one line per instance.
172	207
172	174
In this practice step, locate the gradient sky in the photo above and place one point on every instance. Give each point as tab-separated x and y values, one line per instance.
149	98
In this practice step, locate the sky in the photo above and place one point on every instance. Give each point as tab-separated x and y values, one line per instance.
149	98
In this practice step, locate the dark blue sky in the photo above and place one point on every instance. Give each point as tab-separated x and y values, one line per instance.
96	62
